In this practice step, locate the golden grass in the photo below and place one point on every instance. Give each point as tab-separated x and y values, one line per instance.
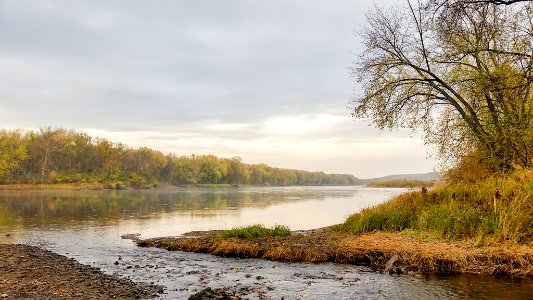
371	249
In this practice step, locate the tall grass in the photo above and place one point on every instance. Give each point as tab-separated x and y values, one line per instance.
402	183
500	208
255	231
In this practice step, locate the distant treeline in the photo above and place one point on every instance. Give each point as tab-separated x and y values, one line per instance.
65	156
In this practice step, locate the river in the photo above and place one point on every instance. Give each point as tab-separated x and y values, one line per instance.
88	225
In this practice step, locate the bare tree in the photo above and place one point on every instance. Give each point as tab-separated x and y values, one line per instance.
463	73
495	2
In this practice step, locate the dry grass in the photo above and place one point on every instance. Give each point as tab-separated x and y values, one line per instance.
371	249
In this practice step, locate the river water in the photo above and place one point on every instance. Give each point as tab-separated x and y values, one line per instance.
88	225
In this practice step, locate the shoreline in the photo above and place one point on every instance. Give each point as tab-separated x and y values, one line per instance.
392	252
102	186
34	273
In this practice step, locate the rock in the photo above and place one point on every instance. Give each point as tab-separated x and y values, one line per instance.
131	236
4	295
259	277
209	293
116	262
391	264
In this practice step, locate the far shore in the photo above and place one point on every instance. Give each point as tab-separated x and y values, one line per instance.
400	253
102	186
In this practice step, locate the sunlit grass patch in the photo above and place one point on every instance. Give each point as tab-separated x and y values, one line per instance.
498	208
255	231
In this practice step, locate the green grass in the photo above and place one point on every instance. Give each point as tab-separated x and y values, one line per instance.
499	208
255	231
402	183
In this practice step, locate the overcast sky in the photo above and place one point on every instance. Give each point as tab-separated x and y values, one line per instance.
264	80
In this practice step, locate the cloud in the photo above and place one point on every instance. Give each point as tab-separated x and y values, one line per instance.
266	80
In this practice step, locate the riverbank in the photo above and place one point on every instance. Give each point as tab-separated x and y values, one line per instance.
50	186
110	186
34	273
414	253
402	183
101	186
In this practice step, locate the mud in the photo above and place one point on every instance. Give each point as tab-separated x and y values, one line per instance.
31	272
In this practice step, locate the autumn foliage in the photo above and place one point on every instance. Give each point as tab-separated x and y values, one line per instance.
63	156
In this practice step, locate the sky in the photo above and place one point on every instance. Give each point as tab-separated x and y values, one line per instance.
268	81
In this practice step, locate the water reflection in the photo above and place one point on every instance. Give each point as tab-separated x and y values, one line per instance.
469	286
64	208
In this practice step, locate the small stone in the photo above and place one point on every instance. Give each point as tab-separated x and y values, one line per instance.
4	295
393	261
259	277
116	262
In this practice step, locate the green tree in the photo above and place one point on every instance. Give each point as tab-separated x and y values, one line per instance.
461	71
12	153
212	169
238	172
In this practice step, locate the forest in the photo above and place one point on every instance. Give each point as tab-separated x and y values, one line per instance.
65	156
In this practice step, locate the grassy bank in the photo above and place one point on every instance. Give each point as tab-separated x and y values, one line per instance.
415	253
402	183
492	210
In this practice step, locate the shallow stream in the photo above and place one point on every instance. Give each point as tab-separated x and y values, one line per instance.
88	225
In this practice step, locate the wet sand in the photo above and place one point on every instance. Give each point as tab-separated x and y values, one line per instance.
31	272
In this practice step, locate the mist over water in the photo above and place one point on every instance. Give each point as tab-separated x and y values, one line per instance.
87	226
